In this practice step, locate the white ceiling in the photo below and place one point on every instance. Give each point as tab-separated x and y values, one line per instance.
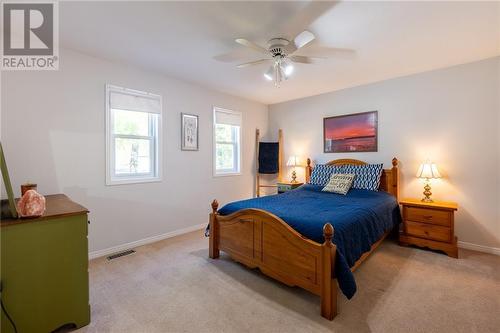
180	39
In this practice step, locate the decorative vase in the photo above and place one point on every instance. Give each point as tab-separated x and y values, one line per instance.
26	187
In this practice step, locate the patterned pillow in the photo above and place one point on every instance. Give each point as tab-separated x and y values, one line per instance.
321	173
339	183
367	176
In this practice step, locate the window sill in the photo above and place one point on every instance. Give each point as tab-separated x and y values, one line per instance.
128	181
227	174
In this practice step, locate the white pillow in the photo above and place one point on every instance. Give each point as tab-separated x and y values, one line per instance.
339	183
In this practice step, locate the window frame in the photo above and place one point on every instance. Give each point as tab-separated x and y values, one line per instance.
238	156
155	141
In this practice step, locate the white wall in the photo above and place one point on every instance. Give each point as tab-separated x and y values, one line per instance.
52	130
450	116
498	150
53	134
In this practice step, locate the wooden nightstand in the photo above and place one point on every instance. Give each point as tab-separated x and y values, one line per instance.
429	225
287	186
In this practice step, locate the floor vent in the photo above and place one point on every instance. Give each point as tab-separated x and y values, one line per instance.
120	254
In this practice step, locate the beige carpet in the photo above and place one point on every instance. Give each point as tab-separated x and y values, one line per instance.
172	286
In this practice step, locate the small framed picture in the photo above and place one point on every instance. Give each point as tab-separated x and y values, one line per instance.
189	132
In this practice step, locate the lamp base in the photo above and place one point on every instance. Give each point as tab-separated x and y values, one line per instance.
294	177
427	193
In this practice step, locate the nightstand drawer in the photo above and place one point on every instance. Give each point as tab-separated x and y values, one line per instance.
284	187
428	231
432	216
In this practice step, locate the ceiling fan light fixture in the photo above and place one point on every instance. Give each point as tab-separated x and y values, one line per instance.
281	75
269	75
283	53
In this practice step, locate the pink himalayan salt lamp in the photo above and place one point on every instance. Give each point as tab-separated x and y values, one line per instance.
32	204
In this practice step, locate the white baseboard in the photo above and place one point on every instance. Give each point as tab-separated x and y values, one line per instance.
118	248
149	240
480	248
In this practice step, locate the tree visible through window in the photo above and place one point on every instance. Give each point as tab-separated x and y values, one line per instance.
227	127
133	129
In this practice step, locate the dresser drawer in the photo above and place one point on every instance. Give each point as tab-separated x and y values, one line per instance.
429	231
432	216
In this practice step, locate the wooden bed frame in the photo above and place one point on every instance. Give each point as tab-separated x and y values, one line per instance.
259	239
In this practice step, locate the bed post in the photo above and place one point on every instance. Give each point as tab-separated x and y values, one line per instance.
257	176
308	170
328	284
214	232
395	178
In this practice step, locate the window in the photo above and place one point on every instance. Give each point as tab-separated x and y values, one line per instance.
133	136
227	142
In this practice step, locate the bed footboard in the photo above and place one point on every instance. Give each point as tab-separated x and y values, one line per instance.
259	239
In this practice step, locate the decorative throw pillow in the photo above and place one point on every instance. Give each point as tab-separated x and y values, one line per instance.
339	183
321	173
367	176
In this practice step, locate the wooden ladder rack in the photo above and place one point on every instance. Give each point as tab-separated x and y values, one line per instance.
258	185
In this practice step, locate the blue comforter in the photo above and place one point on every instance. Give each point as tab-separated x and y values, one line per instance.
359	219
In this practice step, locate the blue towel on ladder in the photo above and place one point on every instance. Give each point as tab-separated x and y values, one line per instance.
268	157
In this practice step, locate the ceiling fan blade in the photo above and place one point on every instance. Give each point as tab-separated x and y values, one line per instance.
301	40
251	63
302	59
326	52
305	37
239	54
252	45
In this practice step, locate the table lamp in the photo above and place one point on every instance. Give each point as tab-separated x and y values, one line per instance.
428	171
293	162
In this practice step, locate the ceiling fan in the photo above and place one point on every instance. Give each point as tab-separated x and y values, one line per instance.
282	53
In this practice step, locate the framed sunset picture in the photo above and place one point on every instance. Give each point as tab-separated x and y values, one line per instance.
351	133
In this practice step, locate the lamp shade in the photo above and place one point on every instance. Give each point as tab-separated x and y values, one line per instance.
428	170
293	161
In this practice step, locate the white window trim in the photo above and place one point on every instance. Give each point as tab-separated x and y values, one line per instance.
148	178
214	159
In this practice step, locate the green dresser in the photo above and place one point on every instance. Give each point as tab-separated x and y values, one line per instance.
44	268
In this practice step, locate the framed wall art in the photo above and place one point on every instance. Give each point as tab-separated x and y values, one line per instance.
189	132
351	133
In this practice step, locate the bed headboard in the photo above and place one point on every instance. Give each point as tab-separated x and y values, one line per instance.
389	182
